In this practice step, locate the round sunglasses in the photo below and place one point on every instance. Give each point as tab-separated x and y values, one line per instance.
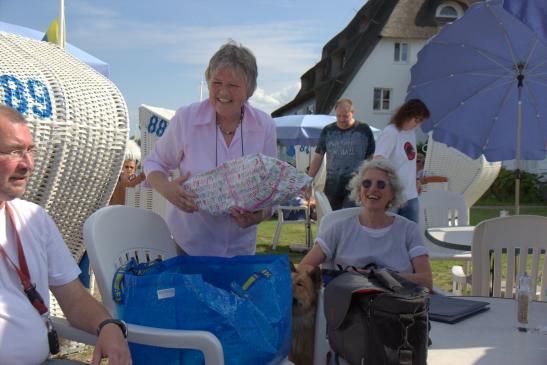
380	184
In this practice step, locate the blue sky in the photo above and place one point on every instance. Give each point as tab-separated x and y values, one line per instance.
158	50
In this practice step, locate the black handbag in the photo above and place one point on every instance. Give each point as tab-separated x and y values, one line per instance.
377	318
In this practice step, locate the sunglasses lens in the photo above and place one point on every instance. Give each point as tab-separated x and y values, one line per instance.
380	184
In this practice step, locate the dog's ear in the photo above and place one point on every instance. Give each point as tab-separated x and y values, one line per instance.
315	276
293	268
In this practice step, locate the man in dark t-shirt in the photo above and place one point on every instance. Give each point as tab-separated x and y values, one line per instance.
347	144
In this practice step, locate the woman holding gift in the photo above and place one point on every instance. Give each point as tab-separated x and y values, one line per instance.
199	138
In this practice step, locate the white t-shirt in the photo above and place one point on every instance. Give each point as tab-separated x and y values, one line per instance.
23	334
349	243
400	148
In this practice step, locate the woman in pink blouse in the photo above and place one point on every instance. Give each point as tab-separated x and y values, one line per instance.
200	137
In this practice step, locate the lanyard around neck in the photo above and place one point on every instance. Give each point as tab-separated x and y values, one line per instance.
22	270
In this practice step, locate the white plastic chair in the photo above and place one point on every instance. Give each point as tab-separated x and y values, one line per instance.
115	234
507	238
441	208
322	206
281	220
322	347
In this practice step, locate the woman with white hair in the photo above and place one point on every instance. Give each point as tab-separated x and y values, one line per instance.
199	138
128	177
374	236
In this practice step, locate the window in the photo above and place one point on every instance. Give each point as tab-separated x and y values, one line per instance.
400	52
382	99
449	10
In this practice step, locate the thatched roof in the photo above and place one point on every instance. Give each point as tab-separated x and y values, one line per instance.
344	55
416	18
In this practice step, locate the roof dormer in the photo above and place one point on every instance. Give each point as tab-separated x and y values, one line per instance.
448	11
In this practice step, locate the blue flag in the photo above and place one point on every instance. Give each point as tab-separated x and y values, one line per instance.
533	13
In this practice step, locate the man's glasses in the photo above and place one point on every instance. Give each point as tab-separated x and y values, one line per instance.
380	184
19	154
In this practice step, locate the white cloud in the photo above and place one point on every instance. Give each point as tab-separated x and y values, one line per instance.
270	102
79	7
279	47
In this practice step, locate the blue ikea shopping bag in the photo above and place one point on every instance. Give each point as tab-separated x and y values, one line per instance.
245	301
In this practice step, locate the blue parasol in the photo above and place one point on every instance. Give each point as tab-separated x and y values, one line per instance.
301	129
484	79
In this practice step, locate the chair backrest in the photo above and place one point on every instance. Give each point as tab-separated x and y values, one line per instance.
337	215
442	208
115	234
501	242
322	205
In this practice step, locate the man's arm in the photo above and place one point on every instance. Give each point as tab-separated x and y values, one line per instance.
86	313
315	164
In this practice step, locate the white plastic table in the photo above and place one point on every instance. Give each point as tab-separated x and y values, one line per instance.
455	237
491	337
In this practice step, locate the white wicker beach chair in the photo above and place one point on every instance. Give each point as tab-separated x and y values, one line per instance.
466	176
79	123
152	123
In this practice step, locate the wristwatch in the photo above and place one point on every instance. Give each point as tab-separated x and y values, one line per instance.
118	322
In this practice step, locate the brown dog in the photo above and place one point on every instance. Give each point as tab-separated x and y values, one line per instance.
305	288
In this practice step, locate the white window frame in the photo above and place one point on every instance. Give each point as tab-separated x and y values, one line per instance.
452	4
403	49
382	99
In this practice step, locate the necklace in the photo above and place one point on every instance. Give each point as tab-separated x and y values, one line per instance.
225	132
229	134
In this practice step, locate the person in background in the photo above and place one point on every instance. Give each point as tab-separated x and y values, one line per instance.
128	179
420	161
397	143
199	138
347	143
31	243
375	235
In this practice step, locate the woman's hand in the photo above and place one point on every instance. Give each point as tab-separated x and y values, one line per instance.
178	196
246	219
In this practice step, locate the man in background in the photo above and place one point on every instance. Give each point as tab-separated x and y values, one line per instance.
347	144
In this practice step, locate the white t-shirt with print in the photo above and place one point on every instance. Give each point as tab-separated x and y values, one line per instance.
400	148
349	243
23	334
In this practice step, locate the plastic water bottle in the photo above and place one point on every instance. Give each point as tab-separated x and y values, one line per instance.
523	298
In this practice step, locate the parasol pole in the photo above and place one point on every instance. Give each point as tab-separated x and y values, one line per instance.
520	79
62	24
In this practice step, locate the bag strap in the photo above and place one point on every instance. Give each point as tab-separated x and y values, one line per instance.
117	284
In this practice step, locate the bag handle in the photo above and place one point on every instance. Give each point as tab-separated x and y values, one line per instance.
386	279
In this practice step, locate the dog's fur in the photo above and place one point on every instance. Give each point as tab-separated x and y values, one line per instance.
305	288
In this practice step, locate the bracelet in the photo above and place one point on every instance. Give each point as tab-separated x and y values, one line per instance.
118	322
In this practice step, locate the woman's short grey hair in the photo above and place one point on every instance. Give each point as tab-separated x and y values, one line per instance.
238	57
386	166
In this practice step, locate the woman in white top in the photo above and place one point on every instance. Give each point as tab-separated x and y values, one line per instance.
374	236
397	143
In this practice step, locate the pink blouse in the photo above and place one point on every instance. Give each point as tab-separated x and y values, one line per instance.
192	143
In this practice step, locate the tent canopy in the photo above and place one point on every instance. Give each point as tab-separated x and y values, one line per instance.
85	57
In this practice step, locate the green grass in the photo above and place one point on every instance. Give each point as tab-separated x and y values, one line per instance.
478	214
442	277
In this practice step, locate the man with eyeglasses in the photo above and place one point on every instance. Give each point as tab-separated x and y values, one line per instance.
33	259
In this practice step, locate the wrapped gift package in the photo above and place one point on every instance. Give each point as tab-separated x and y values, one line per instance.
251	183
